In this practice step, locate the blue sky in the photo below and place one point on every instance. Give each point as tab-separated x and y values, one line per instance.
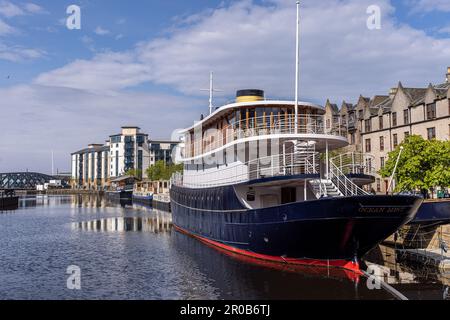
144	62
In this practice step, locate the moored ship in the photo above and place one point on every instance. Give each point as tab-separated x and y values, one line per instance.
258	181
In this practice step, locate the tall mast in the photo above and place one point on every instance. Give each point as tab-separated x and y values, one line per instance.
297	62
211	92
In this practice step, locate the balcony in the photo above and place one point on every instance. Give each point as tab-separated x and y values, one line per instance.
264	126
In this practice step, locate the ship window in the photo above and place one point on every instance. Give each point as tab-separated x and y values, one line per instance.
288	195
251	195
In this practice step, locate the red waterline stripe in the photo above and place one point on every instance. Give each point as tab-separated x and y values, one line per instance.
343	264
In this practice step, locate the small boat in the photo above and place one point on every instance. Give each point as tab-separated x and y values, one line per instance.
143	192
143	198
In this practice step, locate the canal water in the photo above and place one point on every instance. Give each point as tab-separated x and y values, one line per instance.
126	251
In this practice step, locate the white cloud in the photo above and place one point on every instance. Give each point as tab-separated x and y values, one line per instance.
430	5
6	28
106	72
247	45
34	8
19	53
38	119
9	9
101	32
252	46
445	30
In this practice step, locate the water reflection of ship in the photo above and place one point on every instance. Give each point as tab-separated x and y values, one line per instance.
156	223
238	277
43	201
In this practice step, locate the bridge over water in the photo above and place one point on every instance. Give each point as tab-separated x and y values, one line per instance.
23	180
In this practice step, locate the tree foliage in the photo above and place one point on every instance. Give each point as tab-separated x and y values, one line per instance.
134	173
423	164
161	171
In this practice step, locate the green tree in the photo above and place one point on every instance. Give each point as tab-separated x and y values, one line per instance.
134	173
423	164
161	171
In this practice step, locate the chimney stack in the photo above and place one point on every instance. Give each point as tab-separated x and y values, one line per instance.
448	75
392	93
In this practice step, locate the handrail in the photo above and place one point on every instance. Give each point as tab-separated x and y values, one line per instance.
259	126
270	166
355	163
344	184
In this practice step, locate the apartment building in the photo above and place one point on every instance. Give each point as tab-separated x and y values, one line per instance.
383	122
129	150
90	167
94	167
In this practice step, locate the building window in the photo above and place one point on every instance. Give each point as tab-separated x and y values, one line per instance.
395	138
406	116
406	135
431	133
382	162
380	122
368	125
328	124
378	185
360	114
369	164
381	143
352	138
394	119
431	111
368	145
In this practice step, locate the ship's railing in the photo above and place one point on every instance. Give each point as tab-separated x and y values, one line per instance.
265	167
260	126
344	184
355	163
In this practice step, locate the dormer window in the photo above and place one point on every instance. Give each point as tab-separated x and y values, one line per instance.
380	122
431	111
367	125
406	116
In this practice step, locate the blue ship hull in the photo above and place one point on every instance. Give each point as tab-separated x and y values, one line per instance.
431	212
330	229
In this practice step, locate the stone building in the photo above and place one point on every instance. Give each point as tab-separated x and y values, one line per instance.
378	125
